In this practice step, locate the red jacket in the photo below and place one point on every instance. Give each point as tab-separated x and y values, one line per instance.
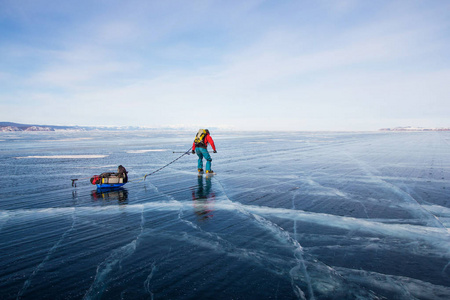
208	140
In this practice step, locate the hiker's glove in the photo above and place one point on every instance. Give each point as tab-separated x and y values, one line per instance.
193	151
214	151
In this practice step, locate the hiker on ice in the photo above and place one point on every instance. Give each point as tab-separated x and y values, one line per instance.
202	139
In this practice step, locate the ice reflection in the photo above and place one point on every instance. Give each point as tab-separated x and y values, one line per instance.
203	198
111	195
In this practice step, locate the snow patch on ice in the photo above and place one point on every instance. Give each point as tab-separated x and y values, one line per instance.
68	139
144	151
63	156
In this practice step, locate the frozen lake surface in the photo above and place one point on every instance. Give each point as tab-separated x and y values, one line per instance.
288	216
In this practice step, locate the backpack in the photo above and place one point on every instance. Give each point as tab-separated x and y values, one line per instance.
122	173
121	170
200	138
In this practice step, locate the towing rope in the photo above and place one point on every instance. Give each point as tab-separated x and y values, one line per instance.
74	184
185	153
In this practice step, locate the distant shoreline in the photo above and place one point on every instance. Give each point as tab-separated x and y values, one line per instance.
11	127
17	127
409	128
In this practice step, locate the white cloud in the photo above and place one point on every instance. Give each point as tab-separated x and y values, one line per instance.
154	65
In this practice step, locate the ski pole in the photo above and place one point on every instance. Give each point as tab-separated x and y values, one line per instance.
188	153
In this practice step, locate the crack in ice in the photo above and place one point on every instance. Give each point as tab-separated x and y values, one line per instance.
108	265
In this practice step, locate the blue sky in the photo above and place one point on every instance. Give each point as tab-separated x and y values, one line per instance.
245	65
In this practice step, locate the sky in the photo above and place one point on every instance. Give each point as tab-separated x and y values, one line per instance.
240	65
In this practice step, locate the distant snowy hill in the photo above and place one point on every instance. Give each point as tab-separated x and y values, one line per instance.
10	126
410	128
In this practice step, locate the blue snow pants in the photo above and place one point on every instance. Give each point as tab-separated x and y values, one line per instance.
203	152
